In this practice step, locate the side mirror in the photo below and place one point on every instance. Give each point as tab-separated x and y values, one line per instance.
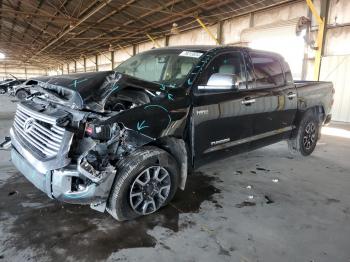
220	81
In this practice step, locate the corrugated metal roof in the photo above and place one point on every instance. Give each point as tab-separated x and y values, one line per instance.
48	32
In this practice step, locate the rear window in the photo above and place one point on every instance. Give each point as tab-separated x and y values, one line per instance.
268	70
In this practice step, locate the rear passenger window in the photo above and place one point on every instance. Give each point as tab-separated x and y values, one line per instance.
268	70
287	73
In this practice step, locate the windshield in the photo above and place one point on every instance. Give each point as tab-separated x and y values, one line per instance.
169	67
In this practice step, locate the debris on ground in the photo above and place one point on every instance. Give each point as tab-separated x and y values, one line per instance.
275	180
13	193
269	200
262	169
245	204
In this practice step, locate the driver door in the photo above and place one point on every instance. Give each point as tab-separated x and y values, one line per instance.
221	119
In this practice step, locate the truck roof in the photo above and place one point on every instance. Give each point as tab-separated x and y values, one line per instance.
203	48
206	48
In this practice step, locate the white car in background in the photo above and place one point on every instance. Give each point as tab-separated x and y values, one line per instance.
21	91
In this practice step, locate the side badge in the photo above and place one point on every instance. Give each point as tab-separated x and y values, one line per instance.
202	112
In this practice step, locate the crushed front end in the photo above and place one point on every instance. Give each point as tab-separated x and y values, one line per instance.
69	154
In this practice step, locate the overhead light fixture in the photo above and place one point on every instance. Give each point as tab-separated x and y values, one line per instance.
175	29
2	55
110	48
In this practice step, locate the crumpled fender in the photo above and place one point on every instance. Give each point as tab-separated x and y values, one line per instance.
155	120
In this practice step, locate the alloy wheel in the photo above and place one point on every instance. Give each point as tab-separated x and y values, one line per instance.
309	135
149	190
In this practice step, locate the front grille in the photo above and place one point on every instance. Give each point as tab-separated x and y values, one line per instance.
38	132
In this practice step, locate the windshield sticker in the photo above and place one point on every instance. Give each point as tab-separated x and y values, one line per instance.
191	54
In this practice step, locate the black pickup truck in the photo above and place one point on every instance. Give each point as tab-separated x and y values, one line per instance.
125	140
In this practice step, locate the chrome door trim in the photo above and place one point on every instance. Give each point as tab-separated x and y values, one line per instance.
248	139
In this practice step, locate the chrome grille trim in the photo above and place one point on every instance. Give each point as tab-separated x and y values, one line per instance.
44	137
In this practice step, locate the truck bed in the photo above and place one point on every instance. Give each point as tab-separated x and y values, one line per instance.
315	93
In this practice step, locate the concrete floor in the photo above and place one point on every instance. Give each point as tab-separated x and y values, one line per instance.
299	211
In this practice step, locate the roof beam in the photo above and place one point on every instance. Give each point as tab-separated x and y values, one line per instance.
94	11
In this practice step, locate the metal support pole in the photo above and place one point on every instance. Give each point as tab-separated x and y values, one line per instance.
219	30
84	64
320	38
251	20
167	38
207	30
153	40
112	59
133	49
96	62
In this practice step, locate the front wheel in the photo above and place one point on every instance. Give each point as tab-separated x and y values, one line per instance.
21	95
146	180
3	90
308	133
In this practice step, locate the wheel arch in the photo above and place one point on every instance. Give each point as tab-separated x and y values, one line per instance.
22	89
178	149
317	110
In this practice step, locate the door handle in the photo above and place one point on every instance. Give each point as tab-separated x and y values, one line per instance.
248	101
291	95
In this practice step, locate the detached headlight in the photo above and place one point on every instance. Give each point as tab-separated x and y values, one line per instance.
101	132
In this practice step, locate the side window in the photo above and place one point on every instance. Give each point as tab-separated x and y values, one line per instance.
228	63
268	70
287	73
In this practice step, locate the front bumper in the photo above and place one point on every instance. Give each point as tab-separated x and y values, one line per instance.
57	184
41	180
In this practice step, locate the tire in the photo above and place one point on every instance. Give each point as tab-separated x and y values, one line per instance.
21	94
307	135
3	90
125	194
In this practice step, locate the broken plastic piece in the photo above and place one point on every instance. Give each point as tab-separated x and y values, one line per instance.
6	144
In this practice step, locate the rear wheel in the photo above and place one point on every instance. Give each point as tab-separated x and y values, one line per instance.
306	139
146	181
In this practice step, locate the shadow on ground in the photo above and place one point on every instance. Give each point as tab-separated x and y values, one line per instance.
61	229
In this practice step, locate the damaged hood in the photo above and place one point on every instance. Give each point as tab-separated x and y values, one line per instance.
89	90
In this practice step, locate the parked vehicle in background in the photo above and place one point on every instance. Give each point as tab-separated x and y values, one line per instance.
5	80
6	85
22	91
124	140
